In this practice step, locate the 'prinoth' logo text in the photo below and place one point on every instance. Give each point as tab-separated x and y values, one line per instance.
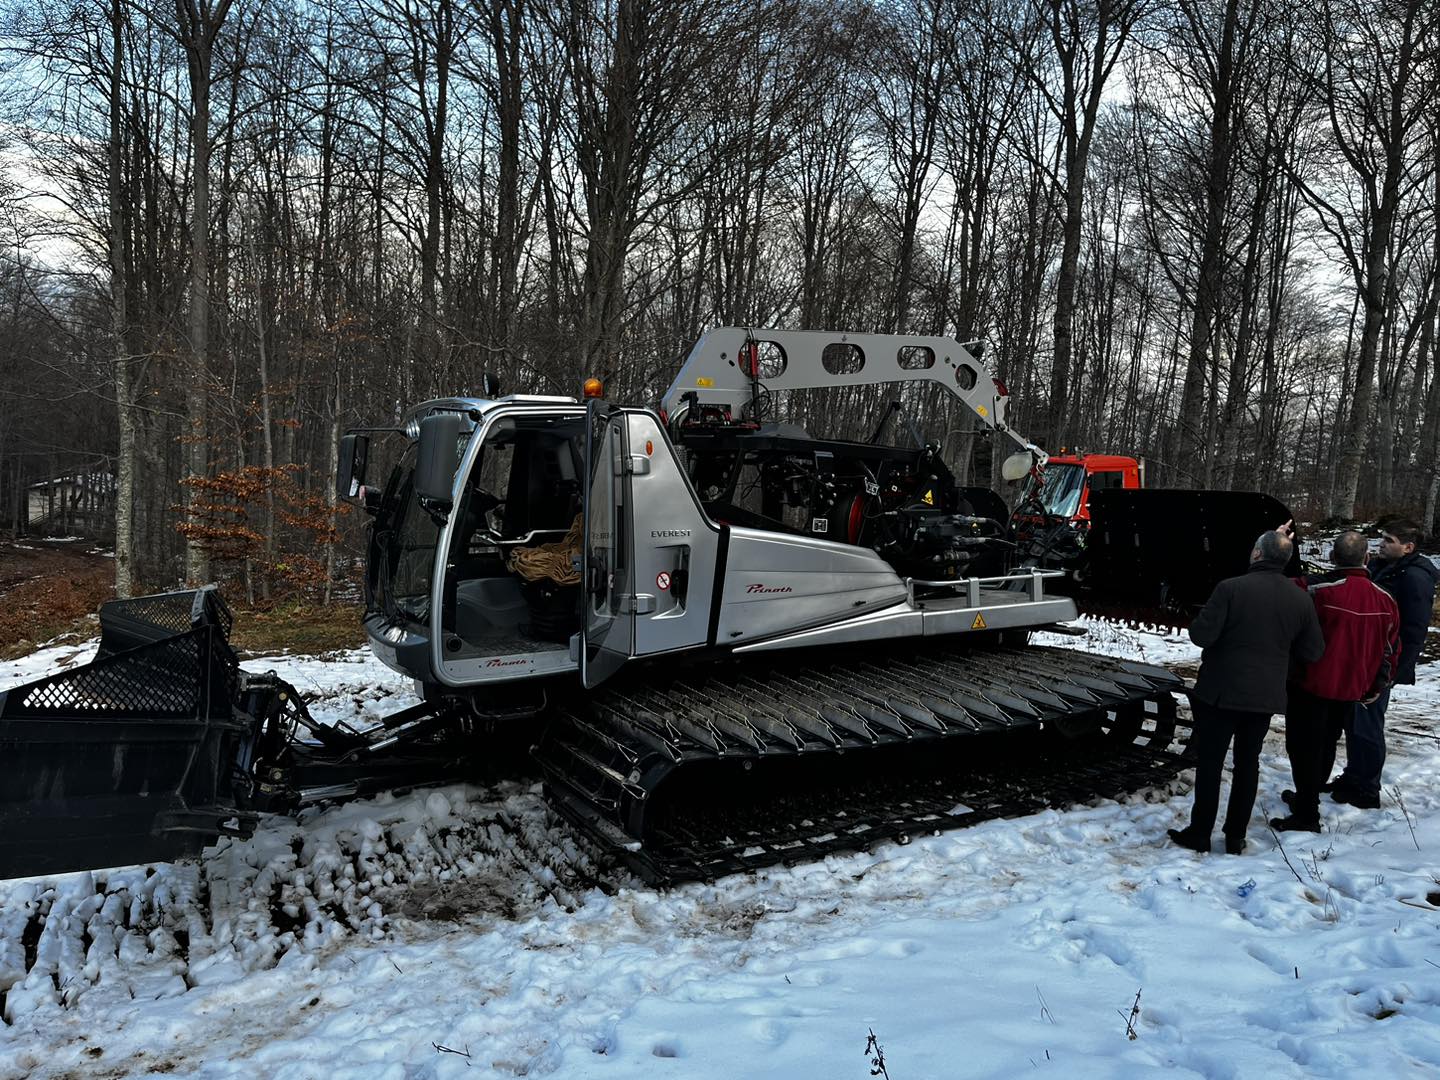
496	662
769	589
663	534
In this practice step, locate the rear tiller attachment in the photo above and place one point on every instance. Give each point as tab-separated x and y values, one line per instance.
162	744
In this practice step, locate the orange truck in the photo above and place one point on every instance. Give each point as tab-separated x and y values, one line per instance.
1062	489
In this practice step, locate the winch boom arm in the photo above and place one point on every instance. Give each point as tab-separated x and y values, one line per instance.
716	369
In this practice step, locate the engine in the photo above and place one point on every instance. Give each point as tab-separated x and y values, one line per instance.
904	503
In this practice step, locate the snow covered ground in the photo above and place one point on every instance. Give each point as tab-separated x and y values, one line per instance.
464	932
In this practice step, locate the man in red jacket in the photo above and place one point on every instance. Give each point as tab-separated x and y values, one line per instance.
1361	624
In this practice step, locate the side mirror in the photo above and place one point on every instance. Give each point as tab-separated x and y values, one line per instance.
1017	465
438	457
350	473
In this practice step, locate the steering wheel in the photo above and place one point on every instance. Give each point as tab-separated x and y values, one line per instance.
1043	540
479	512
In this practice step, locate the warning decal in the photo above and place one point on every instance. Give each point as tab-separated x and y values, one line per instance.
662	581
928	498
979	623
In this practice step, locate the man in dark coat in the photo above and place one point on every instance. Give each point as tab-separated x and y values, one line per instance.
1409	577
1362	642
1252	629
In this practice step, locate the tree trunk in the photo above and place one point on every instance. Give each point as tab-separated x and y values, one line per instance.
267	429
1085	67
1194	439
199	24
432	352
506	22
119	323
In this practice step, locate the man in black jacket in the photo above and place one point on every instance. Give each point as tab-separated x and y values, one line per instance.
1252	629
1409	577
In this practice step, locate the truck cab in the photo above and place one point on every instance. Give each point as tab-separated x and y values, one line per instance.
1059	493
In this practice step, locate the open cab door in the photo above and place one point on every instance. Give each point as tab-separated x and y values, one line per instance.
608	594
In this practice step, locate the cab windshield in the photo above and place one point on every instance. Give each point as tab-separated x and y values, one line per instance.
1060	495
402	548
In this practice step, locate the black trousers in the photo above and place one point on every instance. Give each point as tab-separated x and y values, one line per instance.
1312	729
1215	728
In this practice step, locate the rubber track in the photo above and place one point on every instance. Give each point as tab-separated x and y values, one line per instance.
694	774
899	811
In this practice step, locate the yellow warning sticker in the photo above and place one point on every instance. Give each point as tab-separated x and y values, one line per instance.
928	498
979	623
704	382
982	410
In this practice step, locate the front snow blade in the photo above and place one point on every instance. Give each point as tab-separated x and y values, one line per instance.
133	757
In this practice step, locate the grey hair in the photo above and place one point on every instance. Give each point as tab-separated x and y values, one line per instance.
1272	546
1350	549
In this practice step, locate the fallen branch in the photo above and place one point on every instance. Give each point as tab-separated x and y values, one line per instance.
1281	845
1400	802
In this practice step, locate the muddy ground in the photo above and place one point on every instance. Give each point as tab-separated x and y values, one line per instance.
51	592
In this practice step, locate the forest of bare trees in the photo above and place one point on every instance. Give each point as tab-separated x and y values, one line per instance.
1202	231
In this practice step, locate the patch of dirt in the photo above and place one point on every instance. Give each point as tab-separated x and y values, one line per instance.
52	591
461	901
297	627
49	589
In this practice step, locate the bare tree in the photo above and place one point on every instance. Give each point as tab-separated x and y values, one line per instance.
1373	65
637	71
1071	66
197	26
913	77
1218	43
120	324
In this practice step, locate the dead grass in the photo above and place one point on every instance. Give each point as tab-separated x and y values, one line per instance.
297	627
53	592
49	591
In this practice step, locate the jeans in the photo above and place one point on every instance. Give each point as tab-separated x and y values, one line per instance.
1365	747
1215	728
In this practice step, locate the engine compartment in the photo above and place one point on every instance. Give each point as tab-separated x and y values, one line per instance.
904	503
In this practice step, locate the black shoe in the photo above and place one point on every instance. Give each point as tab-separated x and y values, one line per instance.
1234	845
1187	839
1288	797
1355	798
1325	789
1295	824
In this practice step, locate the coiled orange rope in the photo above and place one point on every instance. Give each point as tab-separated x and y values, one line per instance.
554	562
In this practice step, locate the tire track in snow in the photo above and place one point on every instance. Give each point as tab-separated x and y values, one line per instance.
378	870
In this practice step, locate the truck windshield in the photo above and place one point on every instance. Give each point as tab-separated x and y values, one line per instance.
1060	496
402	548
